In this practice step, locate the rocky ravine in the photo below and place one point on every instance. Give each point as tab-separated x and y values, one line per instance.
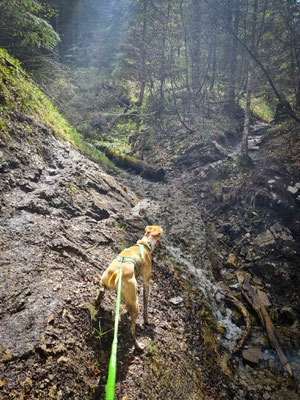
62	221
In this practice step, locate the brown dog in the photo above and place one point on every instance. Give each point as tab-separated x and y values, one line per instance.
135	260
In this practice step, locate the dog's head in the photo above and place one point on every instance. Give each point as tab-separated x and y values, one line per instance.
152	235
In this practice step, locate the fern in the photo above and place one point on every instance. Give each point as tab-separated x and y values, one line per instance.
26	20
40	33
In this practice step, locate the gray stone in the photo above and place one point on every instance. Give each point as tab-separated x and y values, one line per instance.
274	196
292	189
176	300
264	239
281	232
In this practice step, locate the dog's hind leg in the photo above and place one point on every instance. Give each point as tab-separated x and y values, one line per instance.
145	298
133	315
131	299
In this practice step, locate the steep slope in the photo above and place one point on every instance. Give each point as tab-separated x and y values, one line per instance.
63	218
62	221
59	226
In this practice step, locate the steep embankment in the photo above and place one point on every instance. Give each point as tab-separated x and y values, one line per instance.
59	226
62	221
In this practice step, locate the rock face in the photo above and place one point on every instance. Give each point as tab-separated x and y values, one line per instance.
60	222
63	220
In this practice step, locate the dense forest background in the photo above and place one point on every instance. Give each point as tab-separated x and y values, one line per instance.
119	69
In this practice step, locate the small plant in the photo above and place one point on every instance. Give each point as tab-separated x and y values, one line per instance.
278	152
152	347
123	246
100	331
217	184
120	227
92	309
72	188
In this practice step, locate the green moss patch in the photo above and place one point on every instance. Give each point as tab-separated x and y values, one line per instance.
23	104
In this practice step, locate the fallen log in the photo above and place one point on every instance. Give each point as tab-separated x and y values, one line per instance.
144	169
240	306
265	319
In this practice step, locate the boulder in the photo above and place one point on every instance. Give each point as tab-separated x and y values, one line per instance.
253	354
292	189
231	261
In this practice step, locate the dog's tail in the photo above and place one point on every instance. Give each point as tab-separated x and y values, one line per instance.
111	281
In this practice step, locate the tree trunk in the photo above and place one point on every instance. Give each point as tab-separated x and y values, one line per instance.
245	150
143	51
234	45
144	169
163	58
297	106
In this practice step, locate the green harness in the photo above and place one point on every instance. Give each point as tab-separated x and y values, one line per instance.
137	265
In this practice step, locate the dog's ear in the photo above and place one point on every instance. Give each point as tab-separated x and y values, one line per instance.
155	231
148	230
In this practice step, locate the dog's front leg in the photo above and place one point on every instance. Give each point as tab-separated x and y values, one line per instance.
145	297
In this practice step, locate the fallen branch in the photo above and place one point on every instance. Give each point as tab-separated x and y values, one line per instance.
144	169
266	321
238	304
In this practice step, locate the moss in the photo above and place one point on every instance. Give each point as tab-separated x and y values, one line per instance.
21	99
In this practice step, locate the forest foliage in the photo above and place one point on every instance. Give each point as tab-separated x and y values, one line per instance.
127	67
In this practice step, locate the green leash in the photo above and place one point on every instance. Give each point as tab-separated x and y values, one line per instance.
112	369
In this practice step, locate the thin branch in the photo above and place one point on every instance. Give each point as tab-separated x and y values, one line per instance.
280	97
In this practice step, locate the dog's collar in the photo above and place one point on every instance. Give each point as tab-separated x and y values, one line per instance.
146	244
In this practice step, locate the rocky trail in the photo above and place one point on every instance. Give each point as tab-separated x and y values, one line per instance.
62	222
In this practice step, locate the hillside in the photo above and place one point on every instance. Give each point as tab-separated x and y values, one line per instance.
64	217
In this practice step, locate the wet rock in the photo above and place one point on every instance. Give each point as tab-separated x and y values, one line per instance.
293	189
